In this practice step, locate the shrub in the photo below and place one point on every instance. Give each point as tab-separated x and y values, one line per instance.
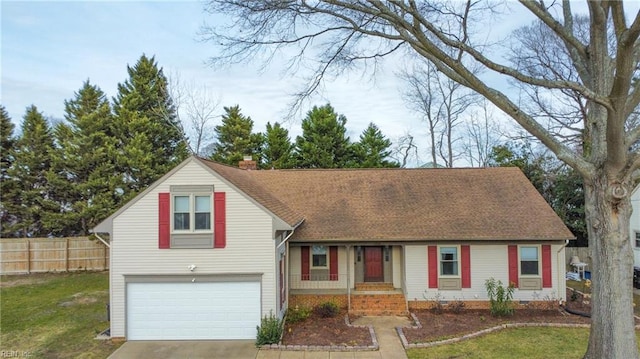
457	306
574	295
269	330
499	297
327	310
436	304
298	314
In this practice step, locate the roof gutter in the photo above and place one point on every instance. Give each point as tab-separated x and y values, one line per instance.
102	240
290	234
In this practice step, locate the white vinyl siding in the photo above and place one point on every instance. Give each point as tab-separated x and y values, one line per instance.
487	261
134	249
416	271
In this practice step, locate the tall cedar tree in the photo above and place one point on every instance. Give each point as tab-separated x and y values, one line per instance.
31	198
323	143
83	176
7	184
278	150
373	149
234	138
151	137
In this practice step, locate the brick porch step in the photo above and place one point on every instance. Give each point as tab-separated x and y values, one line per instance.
378	303
374	287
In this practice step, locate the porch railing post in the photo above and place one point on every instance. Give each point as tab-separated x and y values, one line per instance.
348	279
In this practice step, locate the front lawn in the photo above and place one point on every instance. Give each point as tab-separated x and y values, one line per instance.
531	343
55	315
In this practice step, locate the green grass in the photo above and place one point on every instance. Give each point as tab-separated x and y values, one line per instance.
581	287
531	343
55	315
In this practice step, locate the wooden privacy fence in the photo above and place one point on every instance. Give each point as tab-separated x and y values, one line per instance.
34	255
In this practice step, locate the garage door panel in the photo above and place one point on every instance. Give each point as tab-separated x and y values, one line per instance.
181	311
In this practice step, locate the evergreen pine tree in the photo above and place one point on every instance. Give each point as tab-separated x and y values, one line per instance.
278	150
151	137
7	184
323	143
372	151
83	177
31	198
235	138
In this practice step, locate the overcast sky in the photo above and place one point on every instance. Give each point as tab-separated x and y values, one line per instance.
50	48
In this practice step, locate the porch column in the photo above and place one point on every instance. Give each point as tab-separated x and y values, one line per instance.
348	279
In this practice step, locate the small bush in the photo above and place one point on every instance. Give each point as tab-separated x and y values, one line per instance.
298	314
457	306
269	331
500	298
436	307
574	295
327	310
436	304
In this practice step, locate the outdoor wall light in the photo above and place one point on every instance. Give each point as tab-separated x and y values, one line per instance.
192	267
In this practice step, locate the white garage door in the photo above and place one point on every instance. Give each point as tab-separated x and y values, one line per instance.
190	311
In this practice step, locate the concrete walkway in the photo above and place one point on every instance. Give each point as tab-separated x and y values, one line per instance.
388	340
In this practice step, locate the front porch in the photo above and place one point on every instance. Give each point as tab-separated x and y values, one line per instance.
364	279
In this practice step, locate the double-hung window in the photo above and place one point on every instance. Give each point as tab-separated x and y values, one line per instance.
529	260
449	261
192	213
637	242
319	257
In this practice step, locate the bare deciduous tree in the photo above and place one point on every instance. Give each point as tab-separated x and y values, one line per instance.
405	150
196	108
482	135
339	34
442	102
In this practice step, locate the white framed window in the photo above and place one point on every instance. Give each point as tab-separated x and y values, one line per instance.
319	257
192	213
529	260
637	239
449	261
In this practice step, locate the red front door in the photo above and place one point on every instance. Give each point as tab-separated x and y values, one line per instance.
373	264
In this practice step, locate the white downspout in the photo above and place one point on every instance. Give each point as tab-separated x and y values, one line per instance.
102	240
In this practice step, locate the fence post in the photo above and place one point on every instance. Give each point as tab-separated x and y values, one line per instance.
28	257
66	254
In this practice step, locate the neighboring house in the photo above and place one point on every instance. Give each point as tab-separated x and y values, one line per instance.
634	225
209	249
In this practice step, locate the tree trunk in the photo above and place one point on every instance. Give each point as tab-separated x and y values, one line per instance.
608	211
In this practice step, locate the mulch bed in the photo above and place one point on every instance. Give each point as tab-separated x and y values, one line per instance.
316	330
334	331
449	325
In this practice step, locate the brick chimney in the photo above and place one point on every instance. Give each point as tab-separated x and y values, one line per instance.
248	163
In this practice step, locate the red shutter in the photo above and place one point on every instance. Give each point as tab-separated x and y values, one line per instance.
164	220
304	260
219	220
513	265
546	266
466	266
432	254
333	263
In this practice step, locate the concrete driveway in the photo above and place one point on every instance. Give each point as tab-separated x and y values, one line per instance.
241	349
